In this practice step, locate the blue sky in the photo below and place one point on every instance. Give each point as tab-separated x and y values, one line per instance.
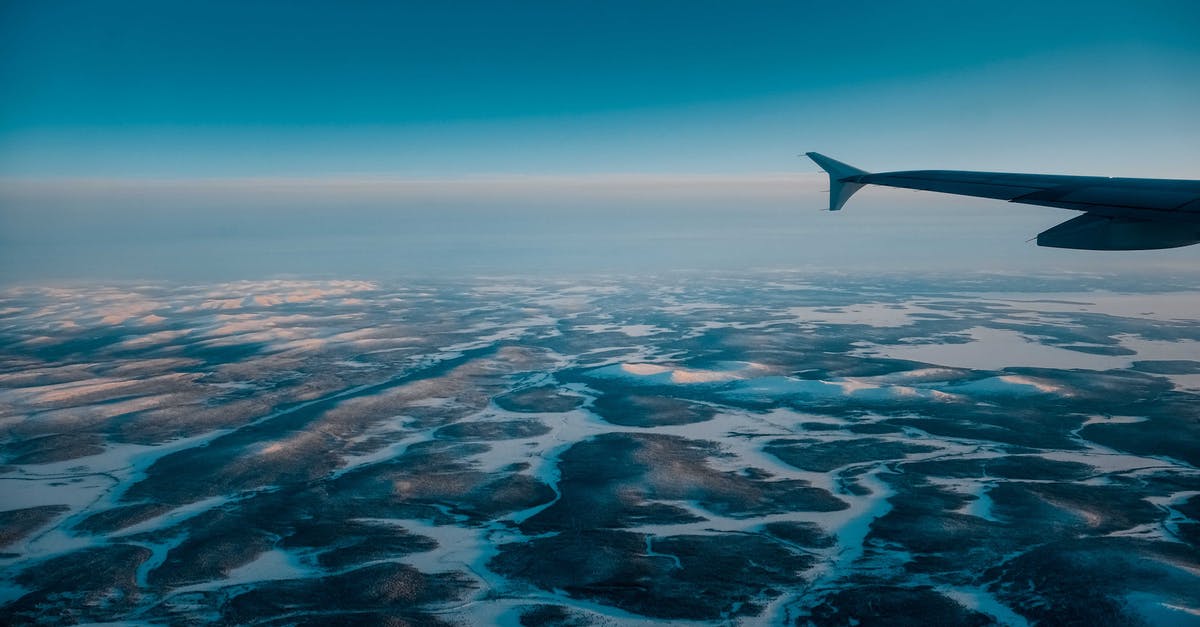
120	88
134	91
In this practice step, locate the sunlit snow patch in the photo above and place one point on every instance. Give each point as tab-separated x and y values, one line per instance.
1008	385
774	388
658	374
754	381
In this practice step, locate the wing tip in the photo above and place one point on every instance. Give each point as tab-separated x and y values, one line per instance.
840	187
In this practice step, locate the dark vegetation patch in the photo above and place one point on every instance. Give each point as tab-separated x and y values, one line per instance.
847	481
314	433
835	365
432	481
552	616
1170	430
1168	366
923	522
581	557
365	618
1003	467
54	448
635	410
955	546
873	428
1113	350
230	464
732	569
1088	581
1107	388
90	585
685	577
1189	530
540	399
16	524
210	552
493	430
619	479
342	543
431	477
383	590
1041	422
805	534
1102	508
1081	331
1050	420
818	456
116	518
76	347
888	606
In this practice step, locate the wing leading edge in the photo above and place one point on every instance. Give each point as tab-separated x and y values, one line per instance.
1120	213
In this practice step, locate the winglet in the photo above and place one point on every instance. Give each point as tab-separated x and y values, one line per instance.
842	179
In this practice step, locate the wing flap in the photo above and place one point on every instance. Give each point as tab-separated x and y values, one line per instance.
1096	232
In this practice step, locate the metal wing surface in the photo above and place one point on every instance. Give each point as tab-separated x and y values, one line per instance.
1121	213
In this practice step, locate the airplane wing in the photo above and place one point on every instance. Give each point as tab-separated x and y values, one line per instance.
1120	213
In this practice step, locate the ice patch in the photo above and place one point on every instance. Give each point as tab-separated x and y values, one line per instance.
869	314
981	600
1156	610
271	565
996	349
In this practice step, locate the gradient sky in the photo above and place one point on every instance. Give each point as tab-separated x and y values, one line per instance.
245	107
